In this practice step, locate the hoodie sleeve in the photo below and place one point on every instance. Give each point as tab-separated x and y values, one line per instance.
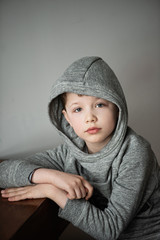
15	173
133	186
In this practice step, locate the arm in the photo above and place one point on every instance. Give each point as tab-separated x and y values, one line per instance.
15	173
129	193
36	191
48	190
75	186
128	196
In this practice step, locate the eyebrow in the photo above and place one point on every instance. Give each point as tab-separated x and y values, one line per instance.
96	99
76	103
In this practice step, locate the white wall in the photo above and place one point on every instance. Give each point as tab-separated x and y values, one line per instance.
40	38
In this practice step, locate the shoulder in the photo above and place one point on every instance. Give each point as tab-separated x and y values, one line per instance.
57	153
61	150
137	149
136	142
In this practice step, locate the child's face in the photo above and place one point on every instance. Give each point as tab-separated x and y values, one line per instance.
93	119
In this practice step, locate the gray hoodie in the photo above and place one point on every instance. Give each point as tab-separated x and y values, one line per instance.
125	173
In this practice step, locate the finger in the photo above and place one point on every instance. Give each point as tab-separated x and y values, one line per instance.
17	198
83	192
8	190
89	194
89	190
84	188
12	194
71	194
79	188
71	197
77	193
80	192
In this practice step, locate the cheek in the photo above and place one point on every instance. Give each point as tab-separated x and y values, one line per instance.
114	122
76	126
75	123
111	120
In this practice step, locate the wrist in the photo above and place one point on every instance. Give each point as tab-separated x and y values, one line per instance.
57	195
31	176
42	175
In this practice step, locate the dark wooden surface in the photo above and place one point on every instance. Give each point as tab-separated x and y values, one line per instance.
30	219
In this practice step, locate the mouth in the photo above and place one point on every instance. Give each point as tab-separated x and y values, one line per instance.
93	130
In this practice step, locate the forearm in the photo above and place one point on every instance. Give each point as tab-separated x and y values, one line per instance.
43	175
58	196
36	191
47	176
11	173
75	186
11	170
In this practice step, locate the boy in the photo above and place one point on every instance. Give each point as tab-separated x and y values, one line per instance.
105	177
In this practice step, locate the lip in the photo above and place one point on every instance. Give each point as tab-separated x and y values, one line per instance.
93	130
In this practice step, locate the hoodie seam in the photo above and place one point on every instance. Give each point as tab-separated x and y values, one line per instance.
97	59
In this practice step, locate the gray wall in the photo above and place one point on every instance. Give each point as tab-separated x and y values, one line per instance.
40	38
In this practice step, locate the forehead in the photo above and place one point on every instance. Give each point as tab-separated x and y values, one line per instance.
71	97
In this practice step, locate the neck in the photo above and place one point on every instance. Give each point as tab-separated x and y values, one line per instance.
94	147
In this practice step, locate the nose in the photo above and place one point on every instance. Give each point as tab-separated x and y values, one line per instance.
90	117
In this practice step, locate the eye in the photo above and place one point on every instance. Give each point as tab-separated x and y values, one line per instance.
99	105
78	110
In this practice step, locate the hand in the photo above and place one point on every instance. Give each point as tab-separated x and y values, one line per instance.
75	186
36	191
28	192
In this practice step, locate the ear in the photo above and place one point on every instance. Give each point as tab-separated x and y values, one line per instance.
66	116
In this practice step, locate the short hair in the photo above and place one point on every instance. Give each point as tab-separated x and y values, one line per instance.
63	98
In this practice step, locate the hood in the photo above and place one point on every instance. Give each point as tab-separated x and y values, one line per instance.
88	76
